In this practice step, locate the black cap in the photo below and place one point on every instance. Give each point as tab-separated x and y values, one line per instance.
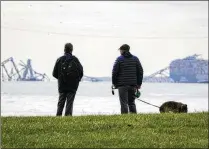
125	47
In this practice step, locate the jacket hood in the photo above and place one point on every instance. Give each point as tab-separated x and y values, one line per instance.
127	54
68	55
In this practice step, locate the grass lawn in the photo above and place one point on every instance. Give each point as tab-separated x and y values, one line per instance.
104	131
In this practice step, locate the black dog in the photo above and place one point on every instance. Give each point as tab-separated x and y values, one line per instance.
172	106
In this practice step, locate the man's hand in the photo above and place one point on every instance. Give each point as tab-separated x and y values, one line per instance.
138	87
113	86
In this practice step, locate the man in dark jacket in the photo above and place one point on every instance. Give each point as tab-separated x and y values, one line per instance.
68	82
127	75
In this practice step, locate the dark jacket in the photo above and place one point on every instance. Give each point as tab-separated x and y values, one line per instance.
72	84
127	70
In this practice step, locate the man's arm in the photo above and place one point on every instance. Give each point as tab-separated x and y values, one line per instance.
115	72
140	73
55	70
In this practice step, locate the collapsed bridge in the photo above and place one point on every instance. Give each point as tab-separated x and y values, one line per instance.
11	72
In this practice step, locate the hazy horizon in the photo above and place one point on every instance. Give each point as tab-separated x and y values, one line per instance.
157	32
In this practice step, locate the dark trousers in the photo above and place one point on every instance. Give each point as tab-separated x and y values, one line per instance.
69	104
127	99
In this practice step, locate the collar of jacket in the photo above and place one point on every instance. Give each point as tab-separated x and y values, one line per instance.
68	54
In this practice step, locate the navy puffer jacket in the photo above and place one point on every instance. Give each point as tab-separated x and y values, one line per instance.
127	70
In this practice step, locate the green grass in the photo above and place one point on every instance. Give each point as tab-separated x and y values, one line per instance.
116	131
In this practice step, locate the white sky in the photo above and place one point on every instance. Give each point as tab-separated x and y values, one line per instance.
157	32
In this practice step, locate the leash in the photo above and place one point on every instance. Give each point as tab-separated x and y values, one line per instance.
137	98
148	103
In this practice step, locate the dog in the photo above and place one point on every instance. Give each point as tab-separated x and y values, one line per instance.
172	106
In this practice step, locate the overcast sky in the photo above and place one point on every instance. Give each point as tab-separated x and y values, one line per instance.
157	32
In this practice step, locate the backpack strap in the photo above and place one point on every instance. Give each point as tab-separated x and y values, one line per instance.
77	67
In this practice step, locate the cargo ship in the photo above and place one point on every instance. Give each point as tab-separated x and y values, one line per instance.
191	69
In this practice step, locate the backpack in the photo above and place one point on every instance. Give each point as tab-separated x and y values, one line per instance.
69	70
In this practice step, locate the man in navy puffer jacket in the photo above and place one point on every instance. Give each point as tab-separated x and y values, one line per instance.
127	75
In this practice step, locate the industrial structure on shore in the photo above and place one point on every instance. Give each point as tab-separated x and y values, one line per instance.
191	69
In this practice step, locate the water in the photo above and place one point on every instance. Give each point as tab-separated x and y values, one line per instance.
40	98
